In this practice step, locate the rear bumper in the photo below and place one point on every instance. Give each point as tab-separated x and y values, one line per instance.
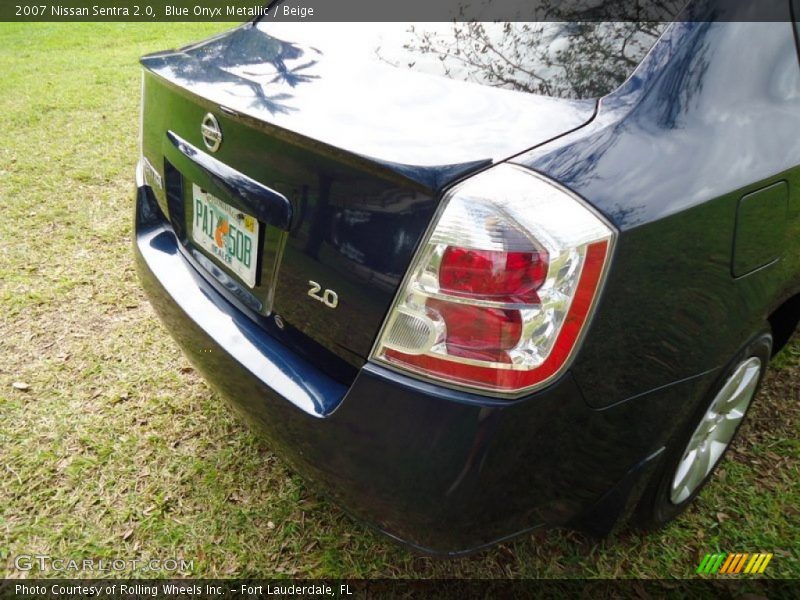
443	471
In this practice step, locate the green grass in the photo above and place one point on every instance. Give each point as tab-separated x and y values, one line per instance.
119	449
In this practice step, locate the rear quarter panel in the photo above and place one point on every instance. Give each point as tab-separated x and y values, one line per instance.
711	115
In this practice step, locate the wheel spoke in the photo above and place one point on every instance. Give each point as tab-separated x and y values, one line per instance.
698	437
727	427
698	470
743	391
715	450
728	391
684	469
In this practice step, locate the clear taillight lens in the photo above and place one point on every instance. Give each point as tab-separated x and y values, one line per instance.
500	291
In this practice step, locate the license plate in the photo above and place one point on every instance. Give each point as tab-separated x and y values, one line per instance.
226	233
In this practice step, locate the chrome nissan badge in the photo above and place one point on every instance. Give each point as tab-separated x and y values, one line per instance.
211	132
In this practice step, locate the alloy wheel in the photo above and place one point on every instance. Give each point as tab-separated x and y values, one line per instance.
716	429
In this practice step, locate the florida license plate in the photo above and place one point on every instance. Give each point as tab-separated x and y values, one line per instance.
226	233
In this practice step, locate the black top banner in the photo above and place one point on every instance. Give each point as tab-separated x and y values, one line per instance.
378	10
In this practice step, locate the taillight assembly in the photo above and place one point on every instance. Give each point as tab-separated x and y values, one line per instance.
502	287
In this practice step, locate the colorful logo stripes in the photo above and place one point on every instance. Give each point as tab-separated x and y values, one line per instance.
734	563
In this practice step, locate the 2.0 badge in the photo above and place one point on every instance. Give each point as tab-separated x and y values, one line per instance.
328	297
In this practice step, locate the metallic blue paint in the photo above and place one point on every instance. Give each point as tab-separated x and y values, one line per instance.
362	187
409	122
700	124
444	471
711	115
262	355
251	196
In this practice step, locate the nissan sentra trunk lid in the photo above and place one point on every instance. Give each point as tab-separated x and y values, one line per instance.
331	158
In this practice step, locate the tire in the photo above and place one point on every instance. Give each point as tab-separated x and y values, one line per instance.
680	479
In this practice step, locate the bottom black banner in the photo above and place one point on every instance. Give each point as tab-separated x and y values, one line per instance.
250	589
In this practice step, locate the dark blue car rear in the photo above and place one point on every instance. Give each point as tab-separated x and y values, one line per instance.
687	175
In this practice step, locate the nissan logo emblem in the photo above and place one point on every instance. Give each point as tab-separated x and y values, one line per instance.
211	132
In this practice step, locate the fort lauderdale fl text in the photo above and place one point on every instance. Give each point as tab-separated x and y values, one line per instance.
167	10
172	589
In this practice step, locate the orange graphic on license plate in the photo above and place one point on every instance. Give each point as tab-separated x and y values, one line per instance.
221	232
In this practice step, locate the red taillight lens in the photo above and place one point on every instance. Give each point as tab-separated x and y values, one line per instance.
500	292
479	332
490	274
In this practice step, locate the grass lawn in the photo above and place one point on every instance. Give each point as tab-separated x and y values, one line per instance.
117	449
